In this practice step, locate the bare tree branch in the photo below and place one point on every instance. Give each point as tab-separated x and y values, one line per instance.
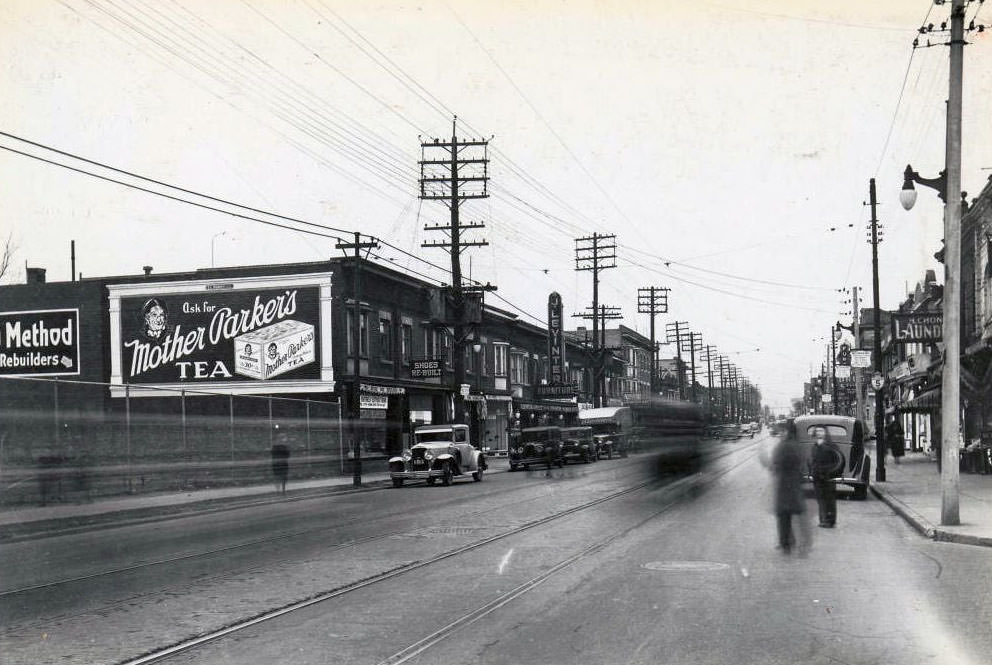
7	255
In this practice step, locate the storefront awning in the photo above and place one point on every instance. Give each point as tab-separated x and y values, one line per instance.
924	403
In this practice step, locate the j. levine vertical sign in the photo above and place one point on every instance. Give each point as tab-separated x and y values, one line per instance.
39	343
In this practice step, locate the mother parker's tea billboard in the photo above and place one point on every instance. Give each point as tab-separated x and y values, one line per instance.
223	334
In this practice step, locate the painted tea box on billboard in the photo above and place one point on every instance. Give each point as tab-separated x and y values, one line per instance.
274	350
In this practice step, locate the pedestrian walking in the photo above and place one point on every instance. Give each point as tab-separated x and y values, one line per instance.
790	506
824	463
896	439
280	461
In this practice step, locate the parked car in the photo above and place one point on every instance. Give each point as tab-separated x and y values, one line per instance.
539	446
852	464
438	451
577	444
730	431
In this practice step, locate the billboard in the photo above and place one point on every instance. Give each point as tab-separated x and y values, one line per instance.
41	342
243	335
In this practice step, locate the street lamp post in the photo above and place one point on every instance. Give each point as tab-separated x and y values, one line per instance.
948	185
212	239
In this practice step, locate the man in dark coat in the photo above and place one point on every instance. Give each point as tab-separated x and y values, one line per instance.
824	463
896	439
786	464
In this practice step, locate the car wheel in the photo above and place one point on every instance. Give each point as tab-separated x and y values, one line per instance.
447	475
477	476
513	467
430	481
397	482
609	453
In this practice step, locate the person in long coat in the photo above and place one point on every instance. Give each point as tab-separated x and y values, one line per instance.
790	505
896	439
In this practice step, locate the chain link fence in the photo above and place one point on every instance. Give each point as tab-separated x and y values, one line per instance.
63	440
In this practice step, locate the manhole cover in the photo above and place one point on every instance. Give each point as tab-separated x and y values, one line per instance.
683	566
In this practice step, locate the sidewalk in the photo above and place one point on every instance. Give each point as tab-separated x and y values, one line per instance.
19	521
912	489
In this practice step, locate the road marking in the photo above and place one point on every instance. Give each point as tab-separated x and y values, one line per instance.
504	561
685	566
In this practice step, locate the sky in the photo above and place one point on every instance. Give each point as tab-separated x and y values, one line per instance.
728	145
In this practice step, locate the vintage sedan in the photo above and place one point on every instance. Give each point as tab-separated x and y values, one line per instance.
438	452
537	446
577	444
851	464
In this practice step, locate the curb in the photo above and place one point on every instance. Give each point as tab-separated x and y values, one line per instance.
923	525
917	521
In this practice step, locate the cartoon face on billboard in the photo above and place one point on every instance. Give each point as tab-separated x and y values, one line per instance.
248	350
155	319
273	351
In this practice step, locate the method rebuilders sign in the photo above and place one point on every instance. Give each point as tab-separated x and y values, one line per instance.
39	343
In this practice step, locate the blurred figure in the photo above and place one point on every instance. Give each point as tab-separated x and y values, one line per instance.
280	460
895	439
823	467
786	464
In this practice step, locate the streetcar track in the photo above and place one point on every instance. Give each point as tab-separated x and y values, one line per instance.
161	654
277	538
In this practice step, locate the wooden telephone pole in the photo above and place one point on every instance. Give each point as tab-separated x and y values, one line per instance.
356	335
459	173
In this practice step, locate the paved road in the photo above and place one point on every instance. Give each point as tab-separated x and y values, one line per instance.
659	574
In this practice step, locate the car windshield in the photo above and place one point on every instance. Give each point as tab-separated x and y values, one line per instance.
527	436
432	437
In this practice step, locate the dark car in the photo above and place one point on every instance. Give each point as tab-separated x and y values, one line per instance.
537	446
851	462
577	444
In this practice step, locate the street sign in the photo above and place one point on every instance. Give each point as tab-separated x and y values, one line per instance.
877	381
861	358
466	389
843	372
827	398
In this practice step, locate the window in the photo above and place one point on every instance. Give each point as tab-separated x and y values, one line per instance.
500	357
385	338
445	346
406	343
363	333
430	348
517	364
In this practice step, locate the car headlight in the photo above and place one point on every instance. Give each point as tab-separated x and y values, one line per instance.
428	455
407	456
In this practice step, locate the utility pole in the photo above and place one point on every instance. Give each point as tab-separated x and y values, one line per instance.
599	349
724	404
857	371
461	173
834	332
653	300
877	341
356	335
594	253
708	349
695	342
950	382
673	335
